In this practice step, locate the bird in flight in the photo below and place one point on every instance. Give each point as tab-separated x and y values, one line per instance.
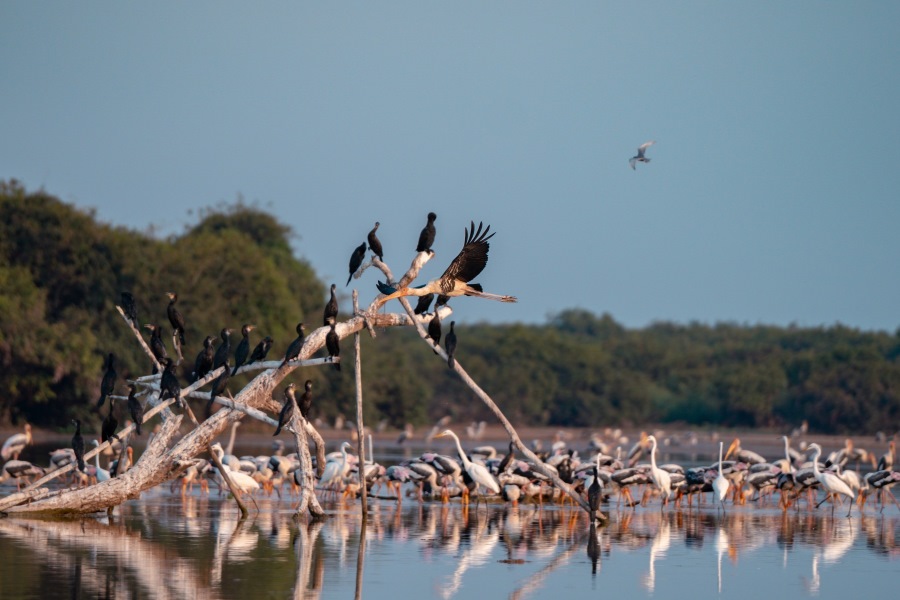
467	265
640	155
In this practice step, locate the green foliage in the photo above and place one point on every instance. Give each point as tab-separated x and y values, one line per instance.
61	273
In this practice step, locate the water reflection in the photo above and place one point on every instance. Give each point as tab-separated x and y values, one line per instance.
166	547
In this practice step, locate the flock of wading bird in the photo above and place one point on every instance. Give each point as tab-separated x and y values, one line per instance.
481	472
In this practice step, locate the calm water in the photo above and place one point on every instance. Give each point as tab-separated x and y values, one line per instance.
163	546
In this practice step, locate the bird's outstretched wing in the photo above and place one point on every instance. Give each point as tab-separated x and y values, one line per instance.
645	145
632	161
472	259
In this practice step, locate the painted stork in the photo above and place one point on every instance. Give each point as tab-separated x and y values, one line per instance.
467	265
14	445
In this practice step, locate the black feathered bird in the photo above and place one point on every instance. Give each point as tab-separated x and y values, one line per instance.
156	344
375	243
450	345
305	402
356	259
287	409
293	350
135	408
426	237
130	309
261	350
218	387
204	361
78	445
434	330
423	304
175	317
168	384
109	425
333	345
331	307
224	348
243	348
108	383
467	265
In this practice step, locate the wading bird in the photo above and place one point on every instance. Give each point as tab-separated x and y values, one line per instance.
14	444
467	265
479	473
640	154
720	483
661	479
833	485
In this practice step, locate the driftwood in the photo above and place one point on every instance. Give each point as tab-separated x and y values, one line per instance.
165	458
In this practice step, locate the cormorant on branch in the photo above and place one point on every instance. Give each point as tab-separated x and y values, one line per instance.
423	304
108	383
293	350
108	428
135	408
287	409
243	348
356	259
333	344
426	237
156	344
175	317
331	307
434	330
375	243
78	445
129	308
168	384
204	361
450	345
305	402
261	350
224	349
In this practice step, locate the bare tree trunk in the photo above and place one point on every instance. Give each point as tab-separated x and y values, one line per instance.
360	429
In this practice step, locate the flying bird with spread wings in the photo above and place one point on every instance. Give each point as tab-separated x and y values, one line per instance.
467	265
640	155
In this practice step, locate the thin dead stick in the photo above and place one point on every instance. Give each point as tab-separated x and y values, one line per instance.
360	429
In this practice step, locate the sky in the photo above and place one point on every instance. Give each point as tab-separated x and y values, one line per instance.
771	195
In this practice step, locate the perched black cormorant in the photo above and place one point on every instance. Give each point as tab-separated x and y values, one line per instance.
109	425
507	460
442	300
434	330
243	348
356	259
223	350
423	304
293	350
261	350
595	494
218	387
375	243
467	265
168	384
287	409
333	344
305	402
450	345
331	307
156	344
204	362
426	237
129	308
175	317
108	383
135	408
78	445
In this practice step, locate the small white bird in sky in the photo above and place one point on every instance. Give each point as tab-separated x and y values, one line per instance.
640	155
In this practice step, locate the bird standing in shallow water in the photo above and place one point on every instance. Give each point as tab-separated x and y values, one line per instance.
261	350
450	345
287	409
833	485
78	445
176	319
331	307
135	408
243	348
293	350
356	259
223	350
640	154
108	383
108	428
426	237
375	243
333	344
467	265
14	445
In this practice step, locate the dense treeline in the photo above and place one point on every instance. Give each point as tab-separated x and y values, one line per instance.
61	273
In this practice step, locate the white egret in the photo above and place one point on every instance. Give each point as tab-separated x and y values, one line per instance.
721	483
479	473
833	485
661	479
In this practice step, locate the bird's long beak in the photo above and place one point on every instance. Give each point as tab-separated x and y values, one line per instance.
731	449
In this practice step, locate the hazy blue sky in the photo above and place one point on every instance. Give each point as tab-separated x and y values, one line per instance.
772	195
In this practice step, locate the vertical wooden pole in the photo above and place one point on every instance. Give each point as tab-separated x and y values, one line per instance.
360	435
